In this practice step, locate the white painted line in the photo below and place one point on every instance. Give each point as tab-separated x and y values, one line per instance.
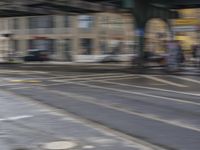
59	80
63	81
187	79
137	93
22	71
124	77
25	81
90	75
146	116
66	76
14	118
73	76
21	87
149	88
59	145
2	85
93	78
163	81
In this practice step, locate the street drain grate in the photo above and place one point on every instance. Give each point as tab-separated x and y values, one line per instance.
59	145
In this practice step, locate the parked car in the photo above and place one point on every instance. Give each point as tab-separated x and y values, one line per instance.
37	55
151	57
154	58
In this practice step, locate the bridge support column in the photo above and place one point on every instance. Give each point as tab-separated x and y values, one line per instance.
140	14
140	43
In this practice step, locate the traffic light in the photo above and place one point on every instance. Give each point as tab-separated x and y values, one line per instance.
128	4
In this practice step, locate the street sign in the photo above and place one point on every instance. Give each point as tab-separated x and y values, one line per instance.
185	28
185	22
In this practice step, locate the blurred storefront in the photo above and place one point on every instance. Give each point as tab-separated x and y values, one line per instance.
67	38
187	30
157	34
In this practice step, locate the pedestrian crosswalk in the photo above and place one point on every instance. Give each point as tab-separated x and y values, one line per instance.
159	102
7	77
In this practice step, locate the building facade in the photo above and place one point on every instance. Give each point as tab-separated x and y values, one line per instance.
67	38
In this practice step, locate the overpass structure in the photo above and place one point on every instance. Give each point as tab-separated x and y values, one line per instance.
142	10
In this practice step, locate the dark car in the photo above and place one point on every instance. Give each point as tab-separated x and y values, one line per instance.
154	58
150	57
37	55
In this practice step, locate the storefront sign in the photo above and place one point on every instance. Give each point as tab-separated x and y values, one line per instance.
185	22
185	28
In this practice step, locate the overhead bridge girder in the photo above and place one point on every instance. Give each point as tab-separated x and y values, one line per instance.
162	13
44	7
177	4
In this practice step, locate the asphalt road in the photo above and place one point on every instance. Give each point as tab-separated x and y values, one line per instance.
156	108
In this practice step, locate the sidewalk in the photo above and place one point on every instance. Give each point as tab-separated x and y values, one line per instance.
112	67
27	125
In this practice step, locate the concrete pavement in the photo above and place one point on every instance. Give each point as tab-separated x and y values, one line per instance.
162	110
30	125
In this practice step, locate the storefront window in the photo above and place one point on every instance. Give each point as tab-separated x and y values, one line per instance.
86	22
16	23
46	44
86	45
67	21
15	45
104	21
41	22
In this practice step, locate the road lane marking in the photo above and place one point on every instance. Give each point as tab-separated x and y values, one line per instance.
25	81
93	100
94	78
63	81
73	76
24	87
14	118
124	91
82	76
187	79
61	78
147	116
135	93
4	71
47	109
163	81
2	85
131	77
149	88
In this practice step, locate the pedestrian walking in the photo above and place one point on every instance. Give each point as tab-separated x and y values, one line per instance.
180	54
197	54
172	56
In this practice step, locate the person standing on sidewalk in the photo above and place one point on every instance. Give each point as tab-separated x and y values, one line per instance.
172	56
180	54
197	54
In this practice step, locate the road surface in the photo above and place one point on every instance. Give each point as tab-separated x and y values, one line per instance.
162	110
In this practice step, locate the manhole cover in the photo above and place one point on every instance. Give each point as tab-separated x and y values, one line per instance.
59	145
